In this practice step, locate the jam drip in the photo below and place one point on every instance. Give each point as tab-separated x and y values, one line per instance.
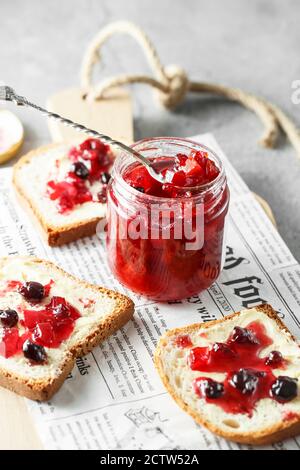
249	377
47	326
89	163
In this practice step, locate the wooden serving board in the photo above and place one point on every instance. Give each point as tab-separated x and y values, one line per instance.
114	117
17	430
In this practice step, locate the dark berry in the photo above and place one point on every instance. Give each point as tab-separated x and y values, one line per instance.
32	291
210	388
80	170
242	335
139	188
284	388
105	177
245	380
34	352
9	318
275	358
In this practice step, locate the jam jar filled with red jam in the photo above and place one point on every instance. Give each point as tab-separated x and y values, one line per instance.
165	240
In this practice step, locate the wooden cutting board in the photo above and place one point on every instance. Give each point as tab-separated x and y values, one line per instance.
114	117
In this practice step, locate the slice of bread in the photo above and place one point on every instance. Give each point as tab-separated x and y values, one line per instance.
30	177
102	312
271	421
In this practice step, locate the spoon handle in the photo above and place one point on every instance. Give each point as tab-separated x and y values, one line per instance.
8	94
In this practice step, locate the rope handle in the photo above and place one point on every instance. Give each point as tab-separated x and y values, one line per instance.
172	84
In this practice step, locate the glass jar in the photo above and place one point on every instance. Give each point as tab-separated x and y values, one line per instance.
166	248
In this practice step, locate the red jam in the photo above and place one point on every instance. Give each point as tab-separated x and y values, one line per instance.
10	342
10	286
16	286
87	302
48	326
89	163
183	171
53	324
249	377
158	266
290	415
183	341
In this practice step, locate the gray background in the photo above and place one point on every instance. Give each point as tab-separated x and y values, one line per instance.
253	45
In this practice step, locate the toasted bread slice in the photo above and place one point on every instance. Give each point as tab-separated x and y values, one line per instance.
30	177
101	313
270	421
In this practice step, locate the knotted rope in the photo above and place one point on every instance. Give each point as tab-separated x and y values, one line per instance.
172	84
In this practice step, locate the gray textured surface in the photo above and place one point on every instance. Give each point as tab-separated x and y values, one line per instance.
252	45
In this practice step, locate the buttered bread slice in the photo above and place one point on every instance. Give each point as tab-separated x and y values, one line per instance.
237	376
64	187
48	318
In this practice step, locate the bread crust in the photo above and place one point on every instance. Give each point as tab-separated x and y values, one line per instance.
53	235
41	390
282	430
44	389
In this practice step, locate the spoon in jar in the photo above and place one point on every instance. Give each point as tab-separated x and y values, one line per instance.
8	94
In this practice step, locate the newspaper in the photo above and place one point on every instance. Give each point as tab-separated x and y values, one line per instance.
114	399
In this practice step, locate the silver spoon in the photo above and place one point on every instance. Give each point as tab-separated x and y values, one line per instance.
8	94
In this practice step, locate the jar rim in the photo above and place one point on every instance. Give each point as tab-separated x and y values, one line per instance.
188	143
